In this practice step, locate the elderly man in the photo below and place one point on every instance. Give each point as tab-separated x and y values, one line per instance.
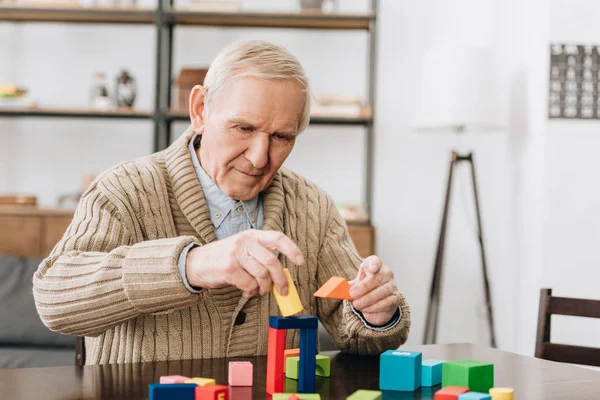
174	255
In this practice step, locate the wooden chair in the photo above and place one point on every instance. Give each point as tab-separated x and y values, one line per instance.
550	305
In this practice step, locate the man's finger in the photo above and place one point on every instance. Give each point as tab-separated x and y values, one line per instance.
245	282
361	288
372	264
383	305
271	265
374	296
259	273
273	240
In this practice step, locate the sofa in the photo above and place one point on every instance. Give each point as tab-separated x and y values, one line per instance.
24	340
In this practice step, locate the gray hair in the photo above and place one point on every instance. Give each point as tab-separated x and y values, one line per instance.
259	59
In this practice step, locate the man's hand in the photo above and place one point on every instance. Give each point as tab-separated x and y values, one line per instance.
244	260
374	291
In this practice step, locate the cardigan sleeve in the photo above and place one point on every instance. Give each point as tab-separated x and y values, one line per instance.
96	277
338	257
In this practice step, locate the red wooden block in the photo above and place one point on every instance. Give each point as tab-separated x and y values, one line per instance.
290	353
450	393
275	360
212	392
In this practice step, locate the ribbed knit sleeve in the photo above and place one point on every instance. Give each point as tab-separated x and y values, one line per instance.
338	257
96	277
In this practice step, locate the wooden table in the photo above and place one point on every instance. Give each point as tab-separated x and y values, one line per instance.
531	378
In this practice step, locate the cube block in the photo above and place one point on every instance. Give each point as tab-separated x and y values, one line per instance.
240	373
477	375
292	365
201	381
290	304
474	396
431	373
323	366
365	395
173	379
212	392
400	370
289	353
450	393
171	391
501	393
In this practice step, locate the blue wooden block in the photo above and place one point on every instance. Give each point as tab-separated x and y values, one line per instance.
297	322
474	396
400	370
172	391
307	379
431	373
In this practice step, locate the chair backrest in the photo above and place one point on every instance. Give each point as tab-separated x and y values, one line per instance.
550	305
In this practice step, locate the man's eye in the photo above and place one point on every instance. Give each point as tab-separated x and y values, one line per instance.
245	129
281	137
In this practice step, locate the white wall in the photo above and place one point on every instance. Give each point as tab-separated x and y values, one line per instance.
57	63
572	228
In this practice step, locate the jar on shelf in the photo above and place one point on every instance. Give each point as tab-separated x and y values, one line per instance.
125	89
99	98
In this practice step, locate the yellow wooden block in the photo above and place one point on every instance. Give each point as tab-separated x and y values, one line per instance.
502	393
201	381
290	304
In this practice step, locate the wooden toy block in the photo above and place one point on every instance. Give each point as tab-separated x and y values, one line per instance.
173	379
335	288
212	392
502	393
477	375
240	373
322	367
450	393
171	391
299	396
289	353
307	379
365	395
431	373
474	396
298	322
201	381
290	304
290	385
400	370
275	350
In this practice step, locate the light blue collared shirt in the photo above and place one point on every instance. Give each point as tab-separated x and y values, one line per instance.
230	217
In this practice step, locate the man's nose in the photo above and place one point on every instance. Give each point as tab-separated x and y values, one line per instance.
258	151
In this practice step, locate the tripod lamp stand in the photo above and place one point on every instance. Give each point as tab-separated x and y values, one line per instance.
457	96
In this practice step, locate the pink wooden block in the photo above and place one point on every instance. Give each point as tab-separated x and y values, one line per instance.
240	373
173	379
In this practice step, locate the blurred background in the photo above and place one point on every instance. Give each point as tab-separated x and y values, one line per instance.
398	86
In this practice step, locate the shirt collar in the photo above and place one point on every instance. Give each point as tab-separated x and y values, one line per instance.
219	204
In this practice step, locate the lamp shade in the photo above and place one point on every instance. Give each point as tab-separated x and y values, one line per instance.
457	91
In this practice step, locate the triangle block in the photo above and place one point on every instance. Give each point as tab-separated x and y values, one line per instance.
335	288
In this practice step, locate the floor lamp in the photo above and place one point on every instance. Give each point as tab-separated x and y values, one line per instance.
457	96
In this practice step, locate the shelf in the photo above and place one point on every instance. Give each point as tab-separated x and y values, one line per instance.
86	15
365	117
303	20
75	113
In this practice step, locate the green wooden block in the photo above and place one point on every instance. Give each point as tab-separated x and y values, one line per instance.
476	375
365	395
292	364
301	396
323	366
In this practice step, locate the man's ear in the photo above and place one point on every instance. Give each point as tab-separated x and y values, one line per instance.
197	108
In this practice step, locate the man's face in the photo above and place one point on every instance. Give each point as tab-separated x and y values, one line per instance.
248	130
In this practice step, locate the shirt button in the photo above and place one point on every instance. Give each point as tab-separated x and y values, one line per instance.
240	210
217	215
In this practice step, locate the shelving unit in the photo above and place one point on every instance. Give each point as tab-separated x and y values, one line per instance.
165	18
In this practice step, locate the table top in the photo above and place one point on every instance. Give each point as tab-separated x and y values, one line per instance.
531	378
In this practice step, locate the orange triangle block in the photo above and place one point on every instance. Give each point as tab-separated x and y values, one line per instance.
335	288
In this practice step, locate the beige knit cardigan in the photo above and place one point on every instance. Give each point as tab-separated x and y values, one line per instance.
113	277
